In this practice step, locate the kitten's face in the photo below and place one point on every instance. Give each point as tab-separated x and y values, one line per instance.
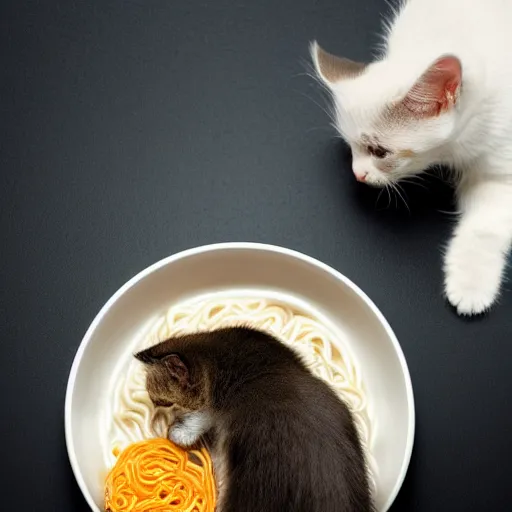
172	380
394	130
388	144
163	389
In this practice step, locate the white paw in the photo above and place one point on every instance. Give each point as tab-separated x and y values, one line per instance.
189	428
472	277
182	435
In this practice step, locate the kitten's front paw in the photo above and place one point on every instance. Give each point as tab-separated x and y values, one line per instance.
472	279
189	428
182	435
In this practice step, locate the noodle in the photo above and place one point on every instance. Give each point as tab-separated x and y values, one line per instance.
132	417
157	475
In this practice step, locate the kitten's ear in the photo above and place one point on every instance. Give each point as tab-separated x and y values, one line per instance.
332	69
145	356
177	368
157	352
173	363
437	90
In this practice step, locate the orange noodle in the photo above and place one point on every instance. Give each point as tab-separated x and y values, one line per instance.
157	476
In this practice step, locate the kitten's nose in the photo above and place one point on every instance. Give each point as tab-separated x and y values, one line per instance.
361	176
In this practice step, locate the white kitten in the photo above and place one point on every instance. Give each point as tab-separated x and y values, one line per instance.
441	93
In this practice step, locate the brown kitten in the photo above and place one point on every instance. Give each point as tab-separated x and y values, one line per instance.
281	438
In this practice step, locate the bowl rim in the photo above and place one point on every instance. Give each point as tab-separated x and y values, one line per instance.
236	246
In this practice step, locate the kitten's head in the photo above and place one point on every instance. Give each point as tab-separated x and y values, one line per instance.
175	373
397	121
185	372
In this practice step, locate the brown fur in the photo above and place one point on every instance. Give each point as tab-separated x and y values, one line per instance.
286	441
406	153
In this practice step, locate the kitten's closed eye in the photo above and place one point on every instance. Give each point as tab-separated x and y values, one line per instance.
378	151
162	403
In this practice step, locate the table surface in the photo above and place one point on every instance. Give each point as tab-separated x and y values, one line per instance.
133	129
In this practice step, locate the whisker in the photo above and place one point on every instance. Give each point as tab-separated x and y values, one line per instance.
401	191
416	177
399	195
389	195
378	197
412	182
391	192
444	212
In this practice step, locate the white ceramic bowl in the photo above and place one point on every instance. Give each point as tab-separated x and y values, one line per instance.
238	267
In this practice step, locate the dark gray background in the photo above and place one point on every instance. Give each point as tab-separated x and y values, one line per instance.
134	129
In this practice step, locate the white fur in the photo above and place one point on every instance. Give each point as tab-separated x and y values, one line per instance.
474	138
189	428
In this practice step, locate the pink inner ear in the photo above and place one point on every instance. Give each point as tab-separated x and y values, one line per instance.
437	90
